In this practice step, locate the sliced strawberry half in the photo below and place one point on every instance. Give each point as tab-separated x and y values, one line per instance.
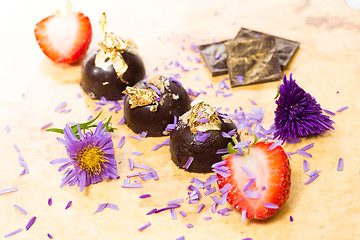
64	38
260	180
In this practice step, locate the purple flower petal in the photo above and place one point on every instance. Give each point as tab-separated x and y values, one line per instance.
248	172
225	188
252	194
137	153
240	79
175	201
271	205
222	151
274	145
50	236
14	232
340	164
303	153
68	205
101	207
248	185
30	223
291	218
203	120
131	164
210	191
329	112
122	121
182	213
243	215
189	225
188	162
144	227
8	190
202	137
60	106
307	147
47	125
312	178
342	109
137	137
306	166
23	211
7	129
253	102
121	142
224	211
207	218
200	208
145	196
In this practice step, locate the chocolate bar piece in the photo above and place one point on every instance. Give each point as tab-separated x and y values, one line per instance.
252	61
214	55
286	48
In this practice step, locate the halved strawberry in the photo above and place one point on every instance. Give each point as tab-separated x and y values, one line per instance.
269	175
64	38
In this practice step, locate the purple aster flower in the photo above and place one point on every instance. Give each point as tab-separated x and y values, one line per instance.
297	113
91	157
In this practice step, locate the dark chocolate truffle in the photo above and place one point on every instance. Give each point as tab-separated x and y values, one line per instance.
199	135
98	82
152	104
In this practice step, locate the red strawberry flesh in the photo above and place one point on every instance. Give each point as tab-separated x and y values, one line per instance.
272	180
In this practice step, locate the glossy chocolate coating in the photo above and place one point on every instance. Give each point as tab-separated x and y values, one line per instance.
141	119
183	145
105	83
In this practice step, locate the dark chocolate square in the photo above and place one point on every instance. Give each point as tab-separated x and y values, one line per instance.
214	55
252	61
286	48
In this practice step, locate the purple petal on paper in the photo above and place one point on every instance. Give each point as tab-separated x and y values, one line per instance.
60	106
291	218
329	112
23	211
50	236
213	208
30	223
182	213
14	232
227	95
342	109
121	142
248	172
144	227
131	164
101	207
180	238
173	214
307	147
137	153
312	178
175	201
274	145
122	121
112	206
45	126
224	211
68	205
189	225
145	196
200	208
207	218
303	153
188	162
271	205
17	148
340	164
306	166
143	134
210	191
243	215
8	190
152	211
135	136
7	129
253	102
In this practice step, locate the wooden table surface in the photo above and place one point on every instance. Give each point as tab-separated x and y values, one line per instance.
326	66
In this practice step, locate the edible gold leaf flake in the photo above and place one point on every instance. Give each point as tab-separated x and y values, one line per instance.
193	116
139	97
111	49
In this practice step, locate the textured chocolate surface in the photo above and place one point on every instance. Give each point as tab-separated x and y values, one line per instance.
252	61
214	55
286	48
97	82
141	119
183	144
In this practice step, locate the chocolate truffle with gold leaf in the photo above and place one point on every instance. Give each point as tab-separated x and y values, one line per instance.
199	134
108	70
153	103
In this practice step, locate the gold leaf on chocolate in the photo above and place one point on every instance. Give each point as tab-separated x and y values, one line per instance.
111	49
201	110
139	97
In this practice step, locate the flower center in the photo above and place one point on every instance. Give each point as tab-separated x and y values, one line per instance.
90	159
